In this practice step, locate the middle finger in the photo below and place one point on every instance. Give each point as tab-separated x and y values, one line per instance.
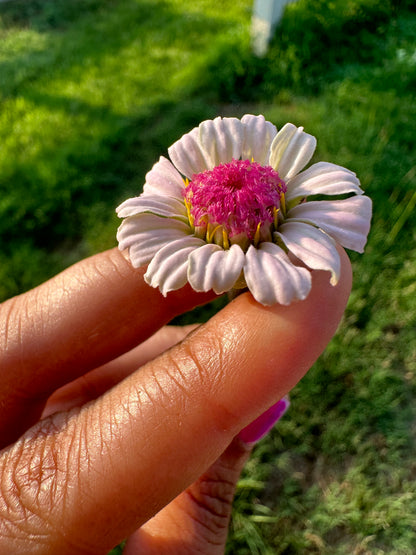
93	384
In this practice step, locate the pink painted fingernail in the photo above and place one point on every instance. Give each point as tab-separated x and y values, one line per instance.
264	423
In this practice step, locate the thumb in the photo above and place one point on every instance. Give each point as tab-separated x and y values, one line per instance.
197	520
89	478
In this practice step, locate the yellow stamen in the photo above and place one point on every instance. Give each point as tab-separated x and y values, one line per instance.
225	241
188	211
211	232
257	235
275	216
283	204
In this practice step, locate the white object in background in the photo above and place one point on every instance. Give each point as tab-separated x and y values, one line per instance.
266	15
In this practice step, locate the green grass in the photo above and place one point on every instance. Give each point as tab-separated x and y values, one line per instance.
93	92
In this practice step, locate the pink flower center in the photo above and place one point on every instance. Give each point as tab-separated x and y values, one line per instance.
241	196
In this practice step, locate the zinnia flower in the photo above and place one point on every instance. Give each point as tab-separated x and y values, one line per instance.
230	209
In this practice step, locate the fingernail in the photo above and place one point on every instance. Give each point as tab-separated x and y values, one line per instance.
255	431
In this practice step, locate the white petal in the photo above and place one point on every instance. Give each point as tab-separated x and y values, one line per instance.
188	155
347	221
316	249
323	178
258	136
145	234
222	139
291	150
164	179
167	207
212	267
168	268
272	278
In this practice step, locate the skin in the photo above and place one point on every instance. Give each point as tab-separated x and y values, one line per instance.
100	432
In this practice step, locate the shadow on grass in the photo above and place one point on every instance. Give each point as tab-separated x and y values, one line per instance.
43	15
46	194
78	37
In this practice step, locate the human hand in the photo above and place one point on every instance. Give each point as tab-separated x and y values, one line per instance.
96	450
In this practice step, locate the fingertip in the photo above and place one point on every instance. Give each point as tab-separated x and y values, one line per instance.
280	343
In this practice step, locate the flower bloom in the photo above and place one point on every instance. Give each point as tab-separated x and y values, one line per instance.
230	209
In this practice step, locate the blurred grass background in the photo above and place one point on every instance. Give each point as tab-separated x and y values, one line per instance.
92	92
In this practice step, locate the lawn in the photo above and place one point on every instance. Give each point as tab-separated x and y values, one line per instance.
93	92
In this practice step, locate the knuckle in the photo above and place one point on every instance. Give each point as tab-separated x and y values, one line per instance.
33	487
205	356
10	325
23	333
210	507
32	466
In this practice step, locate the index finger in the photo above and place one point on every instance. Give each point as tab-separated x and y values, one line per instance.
89	314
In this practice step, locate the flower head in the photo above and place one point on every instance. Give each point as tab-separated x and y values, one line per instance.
230	209
235	199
